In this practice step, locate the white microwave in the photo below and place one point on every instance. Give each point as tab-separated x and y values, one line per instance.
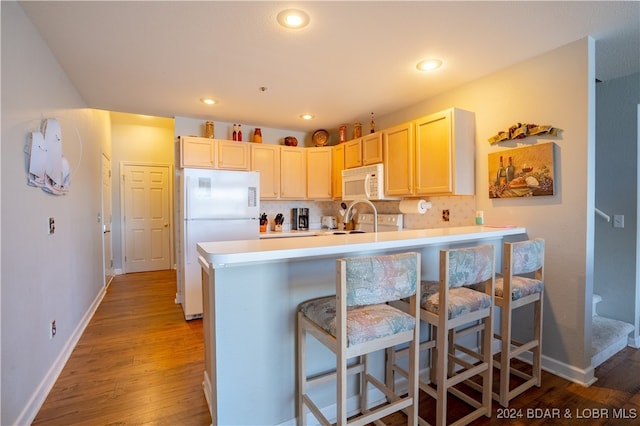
364	183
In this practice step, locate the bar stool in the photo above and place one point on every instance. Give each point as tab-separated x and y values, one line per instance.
463	300
356	322
523	279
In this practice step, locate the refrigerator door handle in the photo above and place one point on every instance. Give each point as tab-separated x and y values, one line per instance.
187	196
187	238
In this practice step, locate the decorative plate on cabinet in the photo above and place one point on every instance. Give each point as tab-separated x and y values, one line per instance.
320	137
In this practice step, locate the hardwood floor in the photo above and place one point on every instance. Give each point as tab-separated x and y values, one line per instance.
139	362
613	400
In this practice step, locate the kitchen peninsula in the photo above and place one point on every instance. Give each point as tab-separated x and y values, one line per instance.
251	292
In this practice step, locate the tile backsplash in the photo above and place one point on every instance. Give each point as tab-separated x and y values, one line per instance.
316	209
462	210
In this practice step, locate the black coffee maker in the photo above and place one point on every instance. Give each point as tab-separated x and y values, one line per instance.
300	219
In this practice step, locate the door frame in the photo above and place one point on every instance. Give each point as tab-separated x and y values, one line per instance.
171	178
634	341
105	267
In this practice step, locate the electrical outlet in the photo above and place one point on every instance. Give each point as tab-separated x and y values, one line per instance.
52	226
618	221
52	329
445	215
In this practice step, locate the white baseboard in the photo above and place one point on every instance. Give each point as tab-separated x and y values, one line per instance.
581	376
118	271
634	341
206	387
30	411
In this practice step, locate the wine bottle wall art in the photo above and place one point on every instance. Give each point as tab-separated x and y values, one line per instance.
522	172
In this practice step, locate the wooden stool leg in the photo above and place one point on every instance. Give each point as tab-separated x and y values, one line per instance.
342	388
537	351
364	383
487	358
451	369
441	376
389	365
302	374
433	357
505	356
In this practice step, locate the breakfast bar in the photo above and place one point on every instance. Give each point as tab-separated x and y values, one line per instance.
251	291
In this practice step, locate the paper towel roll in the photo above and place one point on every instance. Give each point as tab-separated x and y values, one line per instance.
414	206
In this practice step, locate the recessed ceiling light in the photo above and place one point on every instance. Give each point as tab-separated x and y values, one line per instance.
208	101
307	116
429	64
293	18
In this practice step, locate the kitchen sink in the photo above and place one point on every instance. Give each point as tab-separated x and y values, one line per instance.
353	231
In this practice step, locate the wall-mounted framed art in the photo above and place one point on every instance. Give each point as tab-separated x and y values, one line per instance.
522	172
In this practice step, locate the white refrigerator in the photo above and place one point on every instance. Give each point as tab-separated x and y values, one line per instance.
215	205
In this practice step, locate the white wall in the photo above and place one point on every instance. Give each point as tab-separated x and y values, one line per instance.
616	169
44	277
555	88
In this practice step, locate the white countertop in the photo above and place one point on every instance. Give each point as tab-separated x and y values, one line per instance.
223	253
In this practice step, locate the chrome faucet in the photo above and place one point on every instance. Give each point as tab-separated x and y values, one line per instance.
375	212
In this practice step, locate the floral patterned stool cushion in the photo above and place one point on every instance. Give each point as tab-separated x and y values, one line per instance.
462	300
520	286
364	323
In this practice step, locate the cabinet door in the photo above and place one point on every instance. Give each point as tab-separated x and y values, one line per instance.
232	155
445	156
372	149
353	153
266	160
319	173
293	173
433	154
398	148
197	152
337	166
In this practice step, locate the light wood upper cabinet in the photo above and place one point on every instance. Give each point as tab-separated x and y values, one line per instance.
337	166
444	147
293	173
372	149
196	152
363	151
433	155
353	153
398	149
266	160
319	173
232	155
213	153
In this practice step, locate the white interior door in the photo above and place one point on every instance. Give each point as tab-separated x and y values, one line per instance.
107	248
146	217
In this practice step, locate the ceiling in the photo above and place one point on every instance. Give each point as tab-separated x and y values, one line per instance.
160	58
